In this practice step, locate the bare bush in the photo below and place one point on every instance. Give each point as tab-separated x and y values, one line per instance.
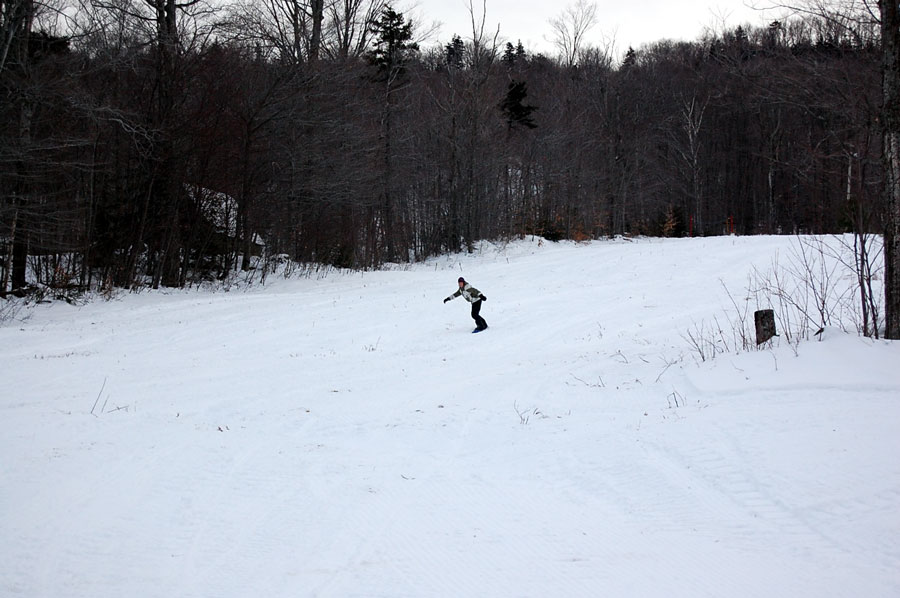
824	282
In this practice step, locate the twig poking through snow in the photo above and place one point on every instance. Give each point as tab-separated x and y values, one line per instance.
675	396
97	400
589	385
665	369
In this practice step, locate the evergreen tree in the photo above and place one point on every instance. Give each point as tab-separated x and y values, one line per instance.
521	55
509	56
393	45
513	107
630	59
393	49
514	55
455	52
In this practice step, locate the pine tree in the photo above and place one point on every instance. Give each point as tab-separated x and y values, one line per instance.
514	56
393	49
513	108
630	58
455	52
509	56
392	44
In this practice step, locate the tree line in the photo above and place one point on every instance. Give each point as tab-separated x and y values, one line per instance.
156	142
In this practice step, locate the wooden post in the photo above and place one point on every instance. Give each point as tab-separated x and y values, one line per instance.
765	325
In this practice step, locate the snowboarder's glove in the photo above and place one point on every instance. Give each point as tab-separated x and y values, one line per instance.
446	299
484	298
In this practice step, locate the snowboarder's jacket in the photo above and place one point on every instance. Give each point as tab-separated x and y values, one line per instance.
468	292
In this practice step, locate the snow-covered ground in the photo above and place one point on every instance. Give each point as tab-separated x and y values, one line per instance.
346	435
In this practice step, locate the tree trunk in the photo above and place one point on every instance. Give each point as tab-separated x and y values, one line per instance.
18	255
315	44
890	41
7	266
16	49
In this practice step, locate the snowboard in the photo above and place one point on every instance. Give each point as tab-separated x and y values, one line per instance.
479	330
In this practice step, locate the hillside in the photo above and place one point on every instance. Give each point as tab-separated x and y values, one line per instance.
345	435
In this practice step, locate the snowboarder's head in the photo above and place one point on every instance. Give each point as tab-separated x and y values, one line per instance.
461	281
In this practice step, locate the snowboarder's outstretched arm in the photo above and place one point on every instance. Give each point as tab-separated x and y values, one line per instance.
453	296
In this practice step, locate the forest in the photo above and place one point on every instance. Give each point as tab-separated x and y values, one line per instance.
161	143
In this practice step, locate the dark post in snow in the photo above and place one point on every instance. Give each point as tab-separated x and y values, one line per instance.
765	325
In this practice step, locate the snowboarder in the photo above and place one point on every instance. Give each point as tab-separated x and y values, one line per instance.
473	296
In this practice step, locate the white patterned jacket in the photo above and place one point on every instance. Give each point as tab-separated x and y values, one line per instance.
468	292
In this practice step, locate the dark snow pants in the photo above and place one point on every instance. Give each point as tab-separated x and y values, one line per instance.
479	321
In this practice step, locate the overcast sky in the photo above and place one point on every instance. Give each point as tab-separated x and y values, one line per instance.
628	22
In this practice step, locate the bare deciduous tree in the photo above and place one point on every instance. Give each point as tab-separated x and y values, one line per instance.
570	28
856	19
349	27
890	41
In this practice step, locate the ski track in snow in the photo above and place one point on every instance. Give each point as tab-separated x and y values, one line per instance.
348	436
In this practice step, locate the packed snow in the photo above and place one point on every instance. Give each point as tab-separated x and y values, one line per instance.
343	434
